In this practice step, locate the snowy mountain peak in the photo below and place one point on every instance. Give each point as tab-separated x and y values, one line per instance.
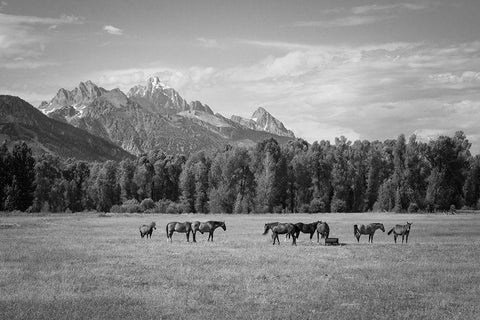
156	83
158	97
79	96
262	120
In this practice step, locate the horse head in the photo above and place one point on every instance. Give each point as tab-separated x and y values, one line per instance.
153	225
266	228
408	225
382	227
222	224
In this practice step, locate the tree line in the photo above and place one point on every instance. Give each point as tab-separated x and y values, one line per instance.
344	176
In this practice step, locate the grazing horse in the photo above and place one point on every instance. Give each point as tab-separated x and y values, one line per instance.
147	229
209	227
322	229
306	228
368	229
284	228
401	230
269	226
182	227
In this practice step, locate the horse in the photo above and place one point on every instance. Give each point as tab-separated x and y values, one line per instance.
182	227
368	229
401	230
306	228
322	229
147	229
284	228
269	226
209	227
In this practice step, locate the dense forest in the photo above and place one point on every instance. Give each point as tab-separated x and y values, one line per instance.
394	175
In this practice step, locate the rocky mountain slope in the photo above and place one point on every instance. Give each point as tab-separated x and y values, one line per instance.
21	121
156	117
262	120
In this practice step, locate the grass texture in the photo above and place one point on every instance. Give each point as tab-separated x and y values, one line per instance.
85	266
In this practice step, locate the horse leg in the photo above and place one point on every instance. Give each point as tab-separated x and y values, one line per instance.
194	236
395	238
403	236
211	235
294	241
188	236
406	238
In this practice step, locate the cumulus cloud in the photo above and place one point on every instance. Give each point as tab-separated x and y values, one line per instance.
113	30
374	91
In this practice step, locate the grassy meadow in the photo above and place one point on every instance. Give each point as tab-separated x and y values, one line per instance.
92	267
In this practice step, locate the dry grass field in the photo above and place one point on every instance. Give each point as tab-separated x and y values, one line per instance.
84	266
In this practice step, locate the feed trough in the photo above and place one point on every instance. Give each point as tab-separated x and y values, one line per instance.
331	242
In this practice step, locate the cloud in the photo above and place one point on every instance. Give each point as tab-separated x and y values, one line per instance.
25	37
349	21
208	43
374	91
3	5
362	15
113	30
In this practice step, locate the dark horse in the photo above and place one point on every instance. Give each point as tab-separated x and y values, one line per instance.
368	229
147	229
284	228
208	226
401	230
270	225
306	228
182	227
322	229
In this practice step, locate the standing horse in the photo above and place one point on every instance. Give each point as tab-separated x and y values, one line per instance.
182	227
401	230
322	229
209	227
147	229
269	226
368	229
284	228
306	228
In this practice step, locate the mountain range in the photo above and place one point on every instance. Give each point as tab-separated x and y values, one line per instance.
20	121
148	117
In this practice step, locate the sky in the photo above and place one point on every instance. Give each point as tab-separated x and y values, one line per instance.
364	69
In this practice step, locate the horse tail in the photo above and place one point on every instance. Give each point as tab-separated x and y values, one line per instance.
389	232
356	232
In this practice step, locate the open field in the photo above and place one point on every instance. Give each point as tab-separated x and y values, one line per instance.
86	266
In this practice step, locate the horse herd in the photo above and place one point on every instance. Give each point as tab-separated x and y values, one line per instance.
290	230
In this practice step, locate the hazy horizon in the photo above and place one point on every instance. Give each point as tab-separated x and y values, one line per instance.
362	69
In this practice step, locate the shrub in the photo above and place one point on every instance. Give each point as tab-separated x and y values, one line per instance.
304	208
174	208
147	204
129	206
412	207
316	205
339	205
